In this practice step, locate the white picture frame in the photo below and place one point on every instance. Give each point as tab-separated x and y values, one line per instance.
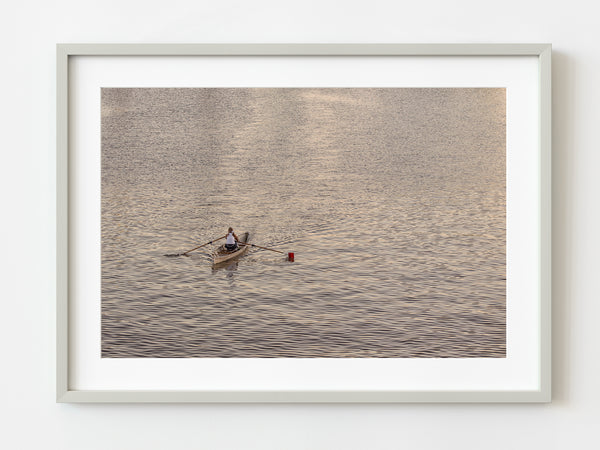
66	213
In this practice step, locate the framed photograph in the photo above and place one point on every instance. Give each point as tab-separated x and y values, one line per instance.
303	223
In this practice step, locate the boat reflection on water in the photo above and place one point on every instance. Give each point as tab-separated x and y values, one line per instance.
229	266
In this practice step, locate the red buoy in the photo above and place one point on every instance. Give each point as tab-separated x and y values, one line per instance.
291	257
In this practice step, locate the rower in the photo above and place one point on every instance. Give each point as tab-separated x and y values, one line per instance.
231	241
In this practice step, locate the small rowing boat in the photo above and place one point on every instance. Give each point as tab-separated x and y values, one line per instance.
222	255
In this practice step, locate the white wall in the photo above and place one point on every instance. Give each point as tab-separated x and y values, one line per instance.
30	417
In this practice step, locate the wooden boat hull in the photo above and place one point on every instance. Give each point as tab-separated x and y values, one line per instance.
221	255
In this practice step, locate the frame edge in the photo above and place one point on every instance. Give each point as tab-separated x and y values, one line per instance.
545	154
62	222
315	397
259	49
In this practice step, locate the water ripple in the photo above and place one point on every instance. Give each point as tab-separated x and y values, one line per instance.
393	201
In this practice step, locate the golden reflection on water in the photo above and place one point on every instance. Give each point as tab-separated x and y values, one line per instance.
393	201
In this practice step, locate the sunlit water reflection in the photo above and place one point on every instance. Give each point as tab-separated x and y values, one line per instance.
393	201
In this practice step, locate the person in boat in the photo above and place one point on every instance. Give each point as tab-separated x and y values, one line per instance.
231	241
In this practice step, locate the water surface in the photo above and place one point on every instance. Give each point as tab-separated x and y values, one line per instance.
393	201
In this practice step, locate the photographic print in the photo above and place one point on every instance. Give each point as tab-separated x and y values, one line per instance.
303	222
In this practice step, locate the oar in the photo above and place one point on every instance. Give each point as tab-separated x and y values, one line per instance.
196	248
264	248
289	255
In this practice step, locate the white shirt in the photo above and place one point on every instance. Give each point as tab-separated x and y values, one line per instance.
230	239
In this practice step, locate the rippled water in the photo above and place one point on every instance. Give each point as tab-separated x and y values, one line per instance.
393	201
